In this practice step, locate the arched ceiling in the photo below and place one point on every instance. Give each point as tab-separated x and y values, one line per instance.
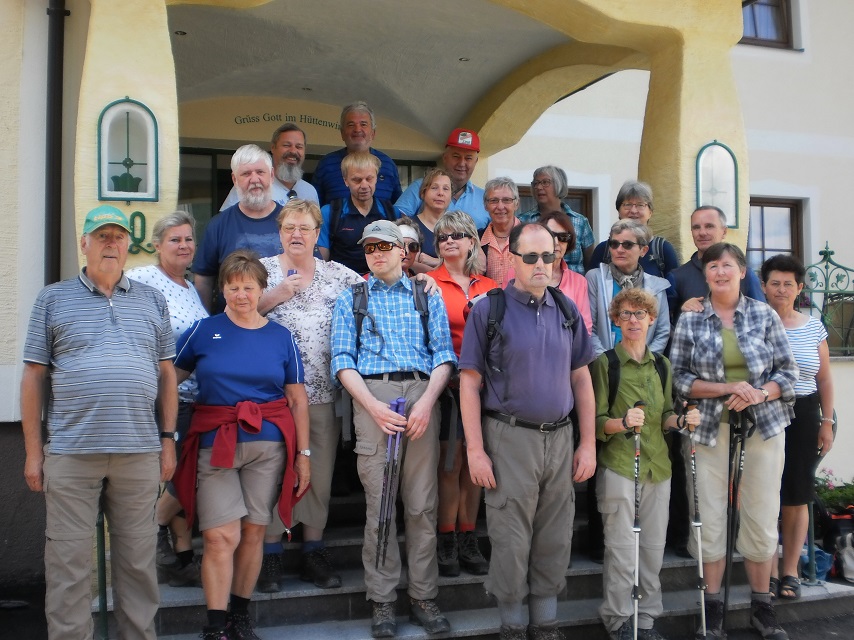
424	65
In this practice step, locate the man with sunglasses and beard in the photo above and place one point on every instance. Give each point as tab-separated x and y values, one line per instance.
392	358
519	437
288	148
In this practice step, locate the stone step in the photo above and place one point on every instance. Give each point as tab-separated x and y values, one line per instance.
577	617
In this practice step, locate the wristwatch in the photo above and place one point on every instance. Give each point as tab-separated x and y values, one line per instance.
169	435
764	393
305	452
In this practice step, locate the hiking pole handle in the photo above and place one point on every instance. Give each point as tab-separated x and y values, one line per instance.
633	430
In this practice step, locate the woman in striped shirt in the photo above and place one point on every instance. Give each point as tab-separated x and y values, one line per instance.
810	434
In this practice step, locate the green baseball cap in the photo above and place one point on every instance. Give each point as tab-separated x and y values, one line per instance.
105	214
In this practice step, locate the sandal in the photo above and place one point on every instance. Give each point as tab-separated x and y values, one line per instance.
790	588
775	587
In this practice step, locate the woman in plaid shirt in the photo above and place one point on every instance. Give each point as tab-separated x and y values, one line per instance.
733	355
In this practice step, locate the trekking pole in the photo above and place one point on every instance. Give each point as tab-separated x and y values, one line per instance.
698	525
393	476
636	528
738	433
382	531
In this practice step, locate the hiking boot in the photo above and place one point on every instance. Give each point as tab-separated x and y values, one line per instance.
470	557
189	576
512	632
625	632
240	627
213	633
545	632
649	634
714	621
165	554
316	567
383	622
764	620
269	580
426	614
446	554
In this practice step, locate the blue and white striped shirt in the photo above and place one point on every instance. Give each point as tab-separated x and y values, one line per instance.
392	334
104	359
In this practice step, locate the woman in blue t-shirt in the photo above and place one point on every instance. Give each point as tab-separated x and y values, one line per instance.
248	439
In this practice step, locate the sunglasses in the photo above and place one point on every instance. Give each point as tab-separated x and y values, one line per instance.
533	258
565	236
640	314
382	246
414	247
628	245
457	235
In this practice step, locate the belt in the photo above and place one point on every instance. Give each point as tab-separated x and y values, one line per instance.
542	427
396	376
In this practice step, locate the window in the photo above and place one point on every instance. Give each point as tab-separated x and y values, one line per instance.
579	200
775	228
767	23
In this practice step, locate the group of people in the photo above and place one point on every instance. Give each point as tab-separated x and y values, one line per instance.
528	358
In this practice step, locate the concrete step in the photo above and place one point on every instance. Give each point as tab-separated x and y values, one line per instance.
578	617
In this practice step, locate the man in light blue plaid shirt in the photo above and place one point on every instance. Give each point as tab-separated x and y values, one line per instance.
392	358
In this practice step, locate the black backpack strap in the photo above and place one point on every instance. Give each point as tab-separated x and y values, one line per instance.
565	308
422	306
387	210
360	309
613	377
656	252
496	313
336	207
661	369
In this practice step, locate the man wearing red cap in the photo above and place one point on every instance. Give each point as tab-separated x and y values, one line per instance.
459	160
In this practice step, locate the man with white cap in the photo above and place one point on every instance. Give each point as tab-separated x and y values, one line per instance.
459	160
395	354
105	345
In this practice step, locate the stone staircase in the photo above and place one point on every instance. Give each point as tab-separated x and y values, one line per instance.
303	611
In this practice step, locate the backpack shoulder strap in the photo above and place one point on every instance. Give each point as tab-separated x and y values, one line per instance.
387	209
656	250
335	209
360	308
422	306
661	369
613	377
496	312
562	302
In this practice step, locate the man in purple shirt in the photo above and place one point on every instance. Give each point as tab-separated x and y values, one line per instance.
518	431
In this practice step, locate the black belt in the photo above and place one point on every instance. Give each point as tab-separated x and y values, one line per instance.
396	376
543	427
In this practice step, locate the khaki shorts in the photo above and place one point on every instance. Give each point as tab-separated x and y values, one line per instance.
248	490
759	499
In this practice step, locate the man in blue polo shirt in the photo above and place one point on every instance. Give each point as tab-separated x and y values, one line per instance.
105	344
358	128
249	224
459	160
344	219
519	435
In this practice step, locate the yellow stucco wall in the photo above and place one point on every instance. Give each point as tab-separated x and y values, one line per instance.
128	43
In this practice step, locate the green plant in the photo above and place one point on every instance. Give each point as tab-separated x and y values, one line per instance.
835	493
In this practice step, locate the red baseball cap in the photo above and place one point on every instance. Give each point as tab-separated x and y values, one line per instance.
463	139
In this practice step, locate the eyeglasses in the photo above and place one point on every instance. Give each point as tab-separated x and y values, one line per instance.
628	245
504	201
634	205
533	258
546	182
382	246
640	314
564	236
303	228
456	235
414	247
292	194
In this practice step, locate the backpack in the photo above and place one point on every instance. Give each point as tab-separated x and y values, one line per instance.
656	252
336	208
497	306
614	375
360	307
